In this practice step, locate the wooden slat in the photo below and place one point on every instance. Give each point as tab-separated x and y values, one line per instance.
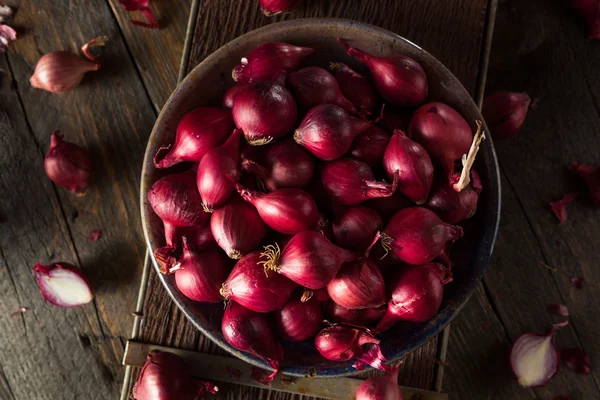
217	25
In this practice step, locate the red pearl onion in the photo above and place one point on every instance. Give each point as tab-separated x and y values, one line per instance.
237	228
63	285
199	130
370	146
199	237
217	170
175	199
443	132
229	95
256	288
534	357
252	332
269	59
165	376
590	10
309	259
67	164
415	294
505	112
288	211
412	164
591	176
297	320
274	7
400	80
361	317
417	235
452	206
312	86
327	131
265	111
349	182
358	284
355	227
380	387
199	275
356	88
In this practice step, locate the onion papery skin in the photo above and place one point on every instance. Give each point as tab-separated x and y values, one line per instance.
370	146
412	164
417	235
358	284
264	111
312	86
298	321
255	288
400	80
356	88
415	295
288	211
360	317
165	377
175	199
349	182
60	71
327	131
253	333
443	132
274	7
309	259
504	112
269	59
355	227
237	228
380	387
67	164
452	206
591	176
199	131
217	171
199	275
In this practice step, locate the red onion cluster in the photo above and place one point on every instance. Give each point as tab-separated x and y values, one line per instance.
314	195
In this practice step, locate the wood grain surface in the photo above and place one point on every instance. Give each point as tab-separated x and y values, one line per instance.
48	352
216	26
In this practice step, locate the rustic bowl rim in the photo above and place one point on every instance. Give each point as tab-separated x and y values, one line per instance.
495	191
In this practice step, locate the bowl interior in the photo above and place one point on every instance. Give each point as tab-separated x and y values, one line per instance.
207	83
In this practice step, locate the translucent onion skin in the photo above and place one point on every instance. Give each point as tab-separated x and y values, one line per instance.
175	199
264	111
269	59
358	284
298	321
200	130
327	131
312	86
310	260
504	112
415	295
452	206
349	182
67	164
274	7
380	387
400	80
361	317
237	228
370	146
251	332
288	211
342	342
216	171
355	227
418	235
443	132
255	288
412	164
356	88
199	275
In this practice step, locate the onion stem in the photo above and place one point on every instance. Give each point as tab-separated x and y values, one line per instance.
468	160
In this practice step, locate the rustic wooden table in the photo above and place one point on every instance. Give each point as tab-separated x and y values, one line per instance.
52	353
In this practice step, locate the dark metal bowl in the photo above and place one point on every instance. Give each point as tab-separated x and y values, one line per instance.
206	84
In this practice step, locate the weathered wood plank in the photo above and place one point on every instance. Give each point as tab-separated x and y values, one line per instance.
157	53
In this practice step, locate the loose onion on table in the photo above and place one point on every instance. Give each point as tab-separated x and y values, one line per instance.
67	164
